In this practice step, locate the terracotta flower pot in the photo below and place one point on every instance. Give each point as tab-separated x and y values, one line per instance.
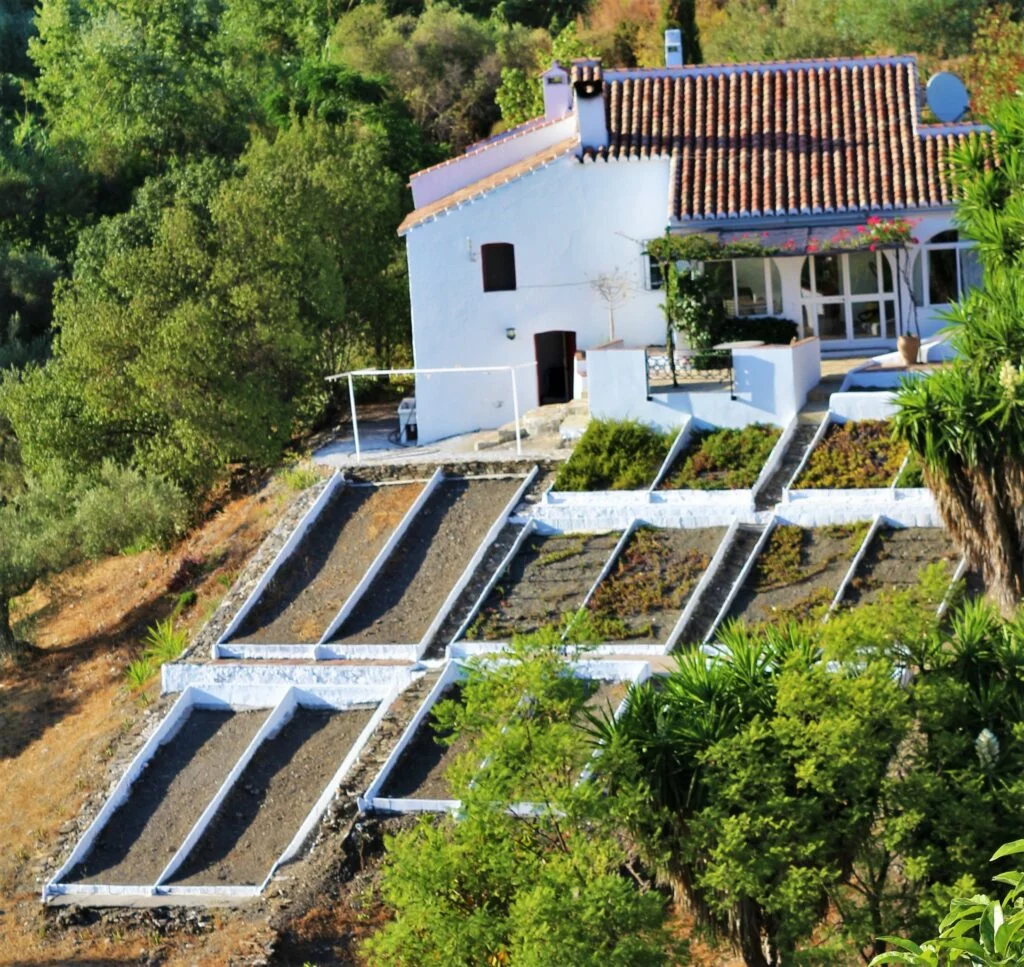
909	346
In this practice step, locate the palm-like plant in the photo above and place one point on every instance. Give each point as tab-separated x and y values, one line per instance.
966	422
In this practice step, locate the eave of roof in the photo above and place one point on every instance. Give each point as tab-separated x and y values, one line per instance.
478	189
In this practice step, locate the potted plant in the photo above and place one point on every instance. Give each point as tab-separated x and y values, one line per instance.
899	232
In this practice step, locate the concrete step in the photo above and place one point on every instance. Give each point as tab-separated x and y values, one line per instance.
771	492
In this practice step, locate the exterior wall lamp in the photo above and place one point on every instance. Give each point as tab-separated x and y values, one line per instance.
510	333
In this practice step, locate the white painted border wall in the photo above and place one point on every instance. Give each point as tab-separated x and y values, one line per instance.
594	513
295	538
679	444
775	458
282	701
467	575
242	684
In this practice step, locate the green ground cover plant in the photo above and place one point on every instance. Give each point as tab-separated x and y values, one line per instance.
647	577
783	561
723	459
614	455
912	475
855	454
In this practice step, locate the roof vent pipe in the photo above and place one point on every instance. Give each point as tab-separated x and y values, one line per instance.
674	48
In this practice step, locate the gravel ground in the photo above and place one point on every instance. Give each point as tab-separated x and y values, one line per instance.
271	799
325	568
896	558
407	594
549	577
183	776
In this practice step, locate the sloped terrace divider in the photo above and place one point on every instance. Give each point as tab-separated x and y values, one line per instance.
412	739
224	649
665	643
326	565
400	600
282	703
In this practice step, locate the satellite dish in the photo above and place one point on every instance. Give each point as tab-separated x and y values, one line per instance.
947	96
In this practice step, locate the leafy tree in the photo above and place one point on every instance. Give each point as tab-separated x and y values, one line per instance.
536	887
198	326
966	422
995	65
48	522
131	84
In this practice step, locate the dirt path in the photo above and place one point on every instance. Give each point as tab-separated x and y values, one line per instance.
313	584
647	589
798	573
272	797
420	772
896	558
400	604
166	800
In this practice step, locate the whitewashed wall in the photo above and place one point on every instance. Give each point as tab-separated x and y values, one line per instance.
569	223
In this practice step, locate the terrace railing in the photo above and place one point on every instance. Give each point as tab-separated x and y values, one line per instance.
696	369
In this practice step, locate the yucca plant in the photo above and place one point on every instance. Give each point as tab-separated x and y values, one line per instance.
163	642
138	674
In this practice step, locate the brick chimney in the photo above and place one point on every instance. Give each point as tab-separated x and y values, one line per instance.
557	91
588	97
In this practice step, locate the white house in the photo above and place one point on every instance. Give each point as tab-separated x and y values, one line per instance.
507	241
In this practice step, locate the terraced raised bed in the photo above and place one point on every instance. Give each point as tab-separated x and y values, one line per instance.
271	798
400	604
167	799
549	577
722	459
853	455
798	573
314	582
650	584
420	772
896	559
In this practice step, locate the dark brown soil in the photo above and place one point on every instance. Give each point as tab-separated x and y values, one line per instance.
774	592
329	562
271	798
607	697
548	578
420	772
651	582
406	596
896	558
492	560
183	776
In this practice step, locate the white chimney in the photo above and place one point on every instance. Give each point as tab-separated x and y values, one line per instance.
557	91
588	92
673	48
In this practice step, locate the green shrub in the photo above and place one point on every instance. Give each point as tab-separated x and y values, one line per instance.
769	329
614	455
911	475
164	642
723	459
299	475
123	511
138	674
858	453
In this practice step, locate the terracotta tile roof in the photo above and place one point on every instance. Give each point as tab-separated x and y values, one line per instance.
783	138
486	185
585	69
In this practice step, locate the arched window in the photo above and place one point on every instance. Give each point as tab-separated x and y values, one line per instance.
945	269
498	261
848	296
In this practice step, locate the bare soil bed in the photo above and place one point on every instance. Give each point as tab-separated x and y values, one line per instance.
896	559
548	578
312	585
798	573
166	800
420	772
407	594
271	798
606	697
647	589
491	562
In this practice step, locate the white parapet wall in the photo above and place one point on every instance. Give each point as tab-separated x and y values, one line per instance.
281	700
911	507
564	512
236	678
875	405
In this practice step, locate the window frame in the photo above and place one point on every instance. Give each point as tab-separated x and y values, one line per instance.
810	299
921	271
656	282
488	252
